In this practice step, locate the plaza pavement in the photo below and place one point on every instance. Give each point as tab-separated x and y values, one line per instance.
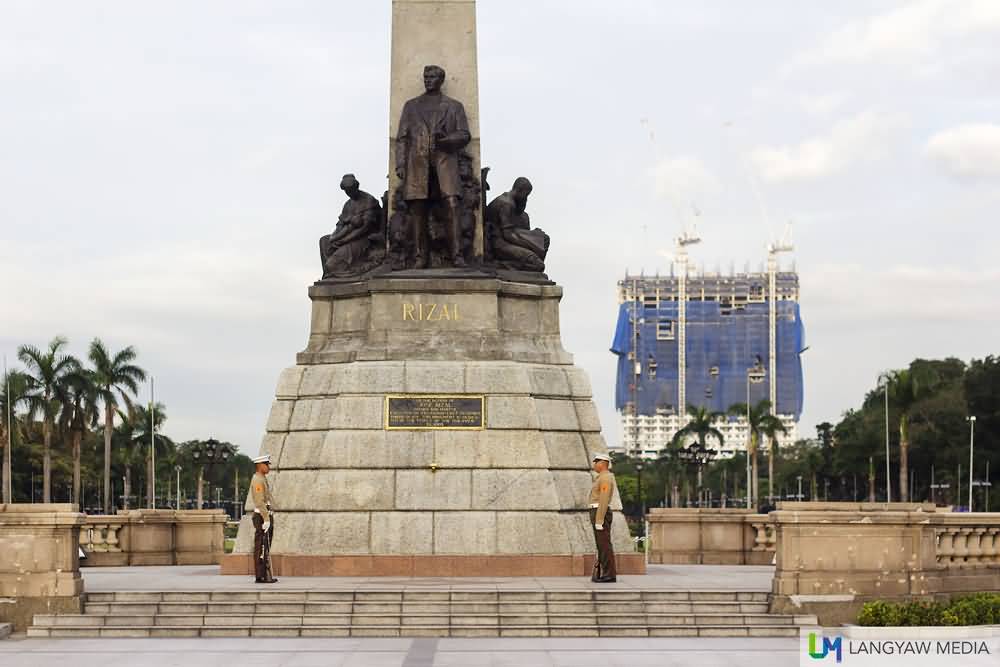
483	652
405	652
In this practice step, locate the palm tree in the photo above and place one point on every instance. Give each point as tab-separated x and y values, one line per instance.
48	371
79	412
762	422
699	424
700	420
13	394
906	388
116	377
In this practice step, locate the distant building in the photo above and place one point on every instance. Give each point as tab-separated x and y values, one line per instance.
727	334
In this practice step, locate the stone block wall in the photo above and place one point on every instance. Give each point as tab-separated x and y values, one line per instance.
347	485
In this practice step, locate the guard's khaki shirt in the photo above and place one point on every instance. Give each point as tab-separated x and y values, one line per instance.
600	494
260	493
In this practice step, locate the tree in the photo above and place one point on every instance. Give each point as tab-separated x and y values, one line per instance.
80	412
700	425
47	372
762	422
13	394
906	388
116	377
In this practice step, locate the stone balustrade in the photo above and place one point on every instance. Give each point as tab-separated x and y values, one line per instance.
832	557
39	565
710	536
154	537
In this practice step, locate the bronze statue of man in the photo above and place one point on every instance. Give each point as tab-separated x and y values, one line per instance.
356	244
515	245
433	129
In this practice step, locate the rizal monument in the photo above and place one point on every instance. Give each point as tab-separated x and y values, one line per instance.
433	425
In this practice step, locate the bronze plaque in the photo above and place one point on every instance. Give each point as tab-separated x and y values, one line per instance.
422	412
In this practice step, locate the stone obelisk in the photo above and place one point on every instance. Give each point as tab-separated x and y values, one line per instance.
435	32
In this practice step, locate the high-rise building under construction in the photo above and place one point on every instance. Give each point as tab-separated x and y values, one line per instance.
725	324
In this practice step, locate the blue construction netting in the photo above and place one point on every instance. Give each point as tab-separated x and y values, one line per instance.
721	346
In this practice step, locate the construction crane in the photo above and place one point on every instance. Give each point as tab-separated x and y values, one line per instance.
681	260
773	249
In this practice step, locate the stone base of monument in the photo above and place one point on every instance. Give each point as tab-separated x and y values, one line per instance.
433	428
432	565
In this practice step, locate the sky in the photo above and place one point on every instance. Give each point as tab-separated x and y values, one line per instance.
166	170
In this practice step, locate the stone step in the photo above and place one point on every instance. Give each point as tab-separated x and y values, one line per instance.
403	596
273	620
438	630
305	608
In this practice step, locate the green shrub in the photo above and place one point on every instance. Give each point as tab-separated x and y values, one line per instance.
978	609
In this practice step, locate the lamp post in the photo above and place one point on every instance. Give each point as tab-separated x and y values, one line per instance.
642	502
206	454
972	446
699	455
177	469
755	374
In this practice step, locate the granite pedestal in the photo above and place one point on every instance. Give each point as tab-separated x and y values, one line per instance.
356	498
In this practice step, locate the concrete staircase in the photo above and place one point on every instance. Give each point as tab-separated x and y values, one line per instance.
416	613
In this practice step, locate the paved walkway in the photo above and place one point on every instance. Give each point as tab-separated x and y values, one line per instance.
206	578
399	652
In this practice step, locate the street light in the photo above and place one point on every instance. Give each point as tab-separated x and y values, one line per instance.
206	454
755	374
177	468
972	446
697	454
642	502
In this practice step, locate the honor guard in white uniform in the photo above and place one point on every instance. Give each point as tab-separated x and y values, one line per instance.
600	518
263	521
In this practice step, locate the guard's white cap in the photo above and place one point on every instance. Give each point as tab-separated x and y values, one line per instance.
263	459
602	457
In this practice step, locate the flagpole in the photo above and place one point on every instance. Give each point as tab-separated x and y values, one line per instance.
7	482
152	441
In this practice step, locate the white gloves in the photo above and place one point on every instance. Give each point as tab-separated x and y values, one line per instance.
267	526
598	526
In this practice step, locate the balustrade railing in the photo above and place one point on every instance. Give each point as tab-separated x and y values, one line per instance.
968	546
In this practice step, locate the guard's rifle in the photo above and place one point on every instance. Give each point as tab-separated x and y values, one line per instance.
268	536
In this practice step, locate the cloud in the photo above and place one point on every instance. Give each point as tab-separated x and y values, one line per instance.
946	296
861	138
967	152
823	104
684	177
911	33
